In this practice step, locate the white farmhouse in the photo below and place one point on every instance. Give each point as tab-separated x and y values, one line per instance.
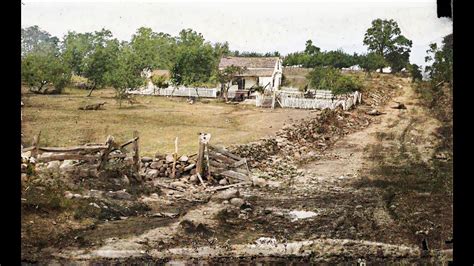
260	71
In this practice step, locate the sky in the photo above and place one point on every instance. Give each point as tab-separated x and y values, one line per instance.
262	26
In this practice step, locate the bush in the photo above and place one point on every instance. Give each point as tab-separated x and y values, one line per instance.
329	78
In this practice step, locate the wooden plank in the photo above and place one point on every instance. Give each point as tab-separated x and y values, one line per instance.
35	151
136	155
229	186
175	155
235	175
105	153
226	153
129	142
72	149
66	156
221	158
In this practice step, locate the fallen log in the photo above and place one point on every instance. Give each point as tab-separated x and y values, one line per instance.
95	106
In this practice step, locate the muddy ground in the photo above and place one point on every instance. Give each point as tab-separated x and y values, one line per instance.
381	194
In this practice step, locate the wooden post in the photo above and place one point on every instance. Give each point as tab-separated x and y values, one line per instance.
136	155
203	140
105	153
273	98
36	139
175	155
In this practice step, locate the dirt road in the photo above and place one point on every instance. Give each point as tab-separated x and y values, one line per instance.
364	199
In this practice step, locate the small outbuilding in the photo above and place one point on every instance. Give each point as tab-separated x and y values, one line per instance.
260	71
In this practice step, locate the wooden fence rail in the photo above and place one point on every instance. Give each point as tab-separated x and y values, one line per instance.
92	152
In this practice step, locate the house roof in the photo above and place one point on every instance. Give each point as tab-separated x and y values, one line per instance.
248	62
262	72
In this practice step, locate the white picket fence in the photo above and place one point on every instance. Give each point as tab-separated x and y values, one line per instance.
179	91
322	100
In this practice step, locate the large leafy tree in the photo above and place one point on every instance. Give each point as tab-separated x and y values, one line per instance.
126	73
195	59
76	47
384	37
155	50
41	70
100	61
35	39
311	49
441	69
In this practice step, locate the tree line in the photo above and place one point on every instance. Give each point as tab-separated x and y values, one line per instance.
47	62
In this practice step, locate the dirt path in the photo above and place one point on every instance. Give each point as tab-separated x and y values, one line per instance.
324	215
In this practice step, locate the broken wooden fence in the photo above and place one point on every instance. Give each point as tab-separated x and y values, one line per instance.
213	162
92	153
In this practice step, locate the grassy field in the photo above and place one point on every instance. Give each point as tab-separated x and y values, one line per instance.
157	119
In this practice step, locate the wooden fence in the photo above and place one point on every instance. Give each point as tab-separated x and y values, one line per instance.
93	153
321	100
178	91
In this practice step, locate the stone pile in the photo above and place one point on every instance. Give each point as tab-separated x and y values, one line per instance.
295	143
162	166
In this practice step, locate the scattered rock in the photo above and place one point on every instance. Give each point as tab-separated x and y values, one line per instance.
237	202
146	159
227	194
223	182
258	181
169	158
121	194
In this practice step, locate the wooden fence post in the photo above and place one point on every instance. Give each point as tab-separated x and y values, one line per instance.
203	141
136	155
105	153
35	151
175	155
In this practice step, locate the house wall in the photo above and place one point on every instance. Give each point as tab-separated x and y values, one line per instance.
262	81
250	81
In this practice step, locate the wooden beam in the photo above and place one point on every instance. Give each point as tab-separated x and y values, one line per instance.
66	156
229	186
226	153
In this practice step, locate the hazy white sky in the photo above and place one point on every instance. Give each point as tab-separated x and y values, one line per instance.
248	26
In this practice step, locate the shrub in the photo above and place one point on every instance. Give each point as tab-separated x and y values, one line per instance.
329	78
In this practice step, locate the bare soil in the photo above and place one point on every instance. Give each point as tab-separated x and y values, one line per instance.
377	195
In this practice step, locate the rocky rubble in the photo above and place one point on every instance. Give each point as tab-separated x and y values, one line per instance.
298	142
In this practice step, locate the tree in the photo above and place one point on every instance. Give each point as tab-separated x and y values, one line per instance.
155	50
126	73
35	39
40	69
371	62
311	49
100	61
441	69
415	72
226	76
195	59
384	38
76	47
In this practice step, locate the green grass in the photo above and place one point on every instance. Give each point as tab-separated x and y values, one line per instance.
157	119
